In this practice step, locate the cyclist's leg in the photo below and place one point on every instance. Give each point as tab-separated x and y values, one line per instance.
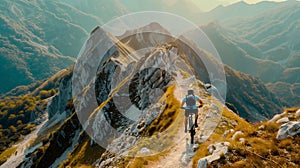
186	114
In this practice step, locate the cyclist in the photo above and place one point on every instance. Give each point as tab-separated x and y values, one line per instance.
190	101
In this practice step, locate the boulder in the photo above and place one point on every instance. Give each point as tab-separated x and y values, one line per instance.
216	151
211	149
277	117
242	140
237	133
195	147
227	132
145	151
202	163
290	128
262	127
297	113
283	120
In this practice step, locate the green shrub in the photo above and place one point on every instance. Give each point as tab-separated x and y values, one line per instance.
15	115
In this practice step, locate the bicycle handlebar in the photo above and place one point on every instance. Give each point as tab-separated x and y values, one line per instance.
197	107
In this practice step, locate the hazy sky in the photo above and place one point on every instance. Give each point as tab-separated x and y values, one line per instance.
206	5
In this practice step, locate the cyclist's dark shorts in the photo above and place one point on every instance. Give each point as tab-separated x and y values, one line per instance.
193	111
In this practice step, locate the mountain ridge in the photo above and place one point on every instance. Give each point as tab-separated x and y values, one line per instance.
67	133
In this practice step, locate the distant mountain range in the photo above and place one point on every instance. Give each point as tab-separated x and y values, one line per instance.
237	11
268	39
104	10
34	45
266	46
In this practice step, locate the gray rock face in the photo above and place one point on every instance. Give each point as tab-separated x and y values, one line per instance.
213	91
60	100
145	88
291	128
117	97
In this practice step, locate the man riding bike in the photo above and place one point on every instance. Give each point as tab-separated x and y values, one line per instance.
190	101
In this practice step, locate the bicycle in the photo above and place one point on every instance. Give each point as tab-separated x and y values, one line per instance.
191	124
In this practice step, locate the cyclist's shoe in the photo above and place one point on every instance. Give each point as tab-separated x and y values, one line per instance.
196	125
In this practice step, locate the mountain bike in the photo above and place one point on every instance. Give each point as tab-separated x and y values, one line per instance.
191	124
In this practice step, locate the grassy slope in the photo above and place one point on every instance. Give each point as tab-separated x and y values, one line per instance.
84	154
260	149
219	131
169	123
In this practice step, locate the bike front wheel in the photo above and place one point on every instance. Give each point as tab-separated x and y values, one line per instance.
192	133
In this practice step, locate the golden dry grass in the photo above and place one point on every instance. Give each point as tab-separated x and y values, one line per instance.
7	153
260	149
83	155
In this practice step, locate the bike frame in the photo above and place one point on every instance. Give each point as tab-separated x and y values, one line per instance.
191	125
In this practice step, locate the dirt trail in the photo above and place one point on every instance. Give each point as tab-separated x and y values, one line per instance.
176	157
181	154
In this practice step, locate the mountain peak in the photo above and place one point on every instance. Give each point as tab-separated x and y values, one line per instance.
151	27
242	2
238	4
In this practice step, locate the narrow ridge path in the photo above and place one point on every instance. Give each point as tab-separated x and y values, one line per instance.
181	154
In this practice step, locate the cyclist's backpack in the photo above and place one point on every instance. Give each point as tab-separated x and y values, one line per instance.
190	100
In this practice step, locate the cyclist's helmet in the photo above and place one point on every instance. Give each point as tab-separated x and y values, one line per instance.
190	92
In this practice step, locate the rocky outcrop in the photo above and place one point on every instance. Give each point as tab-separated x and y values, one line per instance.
119	95
291	128
297	115
58	103
277	117
202	163
216	150
145	87
289	123
236	135
56	144
283	120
